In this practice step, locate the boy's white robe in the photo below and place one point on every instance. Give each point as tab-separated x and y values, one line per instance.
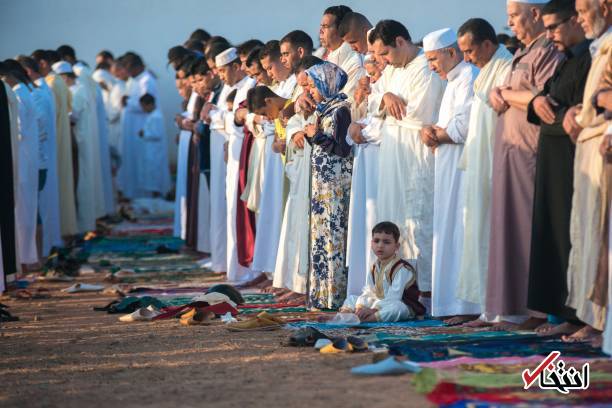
156	154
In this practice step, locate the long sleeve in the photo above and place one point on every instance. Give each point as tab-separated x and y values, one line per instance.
392	308
145	85
153	128
457	127
336	141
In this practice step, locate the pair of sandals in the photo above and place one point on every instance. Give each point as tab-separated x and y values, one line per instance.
5	315
26	294
309	336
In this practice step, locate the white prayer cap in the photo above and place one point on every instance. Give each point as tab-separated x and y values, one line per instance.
528	1
62	67
227	56
439	39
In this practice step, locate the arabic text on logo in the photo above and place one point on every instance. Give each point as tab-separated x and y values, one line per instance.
551	376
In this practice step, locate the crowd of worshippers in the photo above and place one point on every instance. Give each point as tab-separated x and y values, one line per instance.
456	176
72	130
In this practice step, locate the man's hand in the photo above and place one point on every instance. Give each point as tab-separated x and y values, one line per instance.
544	110
395	105
279	146
187	124
442	136
606	148
311	130
354	132
604	99
240	115
366	314
571	127
498	103
298	139
205	112
306	103
178	119
428	137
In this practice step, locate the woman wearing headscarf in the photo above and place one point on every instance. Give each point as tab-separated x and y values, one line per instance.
331	168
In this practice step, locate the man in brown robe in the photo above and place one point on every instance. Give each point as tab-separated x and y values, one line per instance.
514	169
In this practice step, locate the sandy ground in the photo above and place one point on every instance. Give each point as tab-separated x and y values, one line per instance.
62	353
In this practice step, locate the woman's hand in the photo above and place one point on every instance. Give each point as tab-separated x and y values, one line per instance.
311	130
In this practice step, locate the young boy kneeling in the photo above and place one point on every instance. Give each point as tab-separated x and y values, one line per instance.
390	293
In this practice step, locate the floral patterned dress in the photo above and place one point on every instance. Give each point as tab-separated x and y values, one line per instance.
331	169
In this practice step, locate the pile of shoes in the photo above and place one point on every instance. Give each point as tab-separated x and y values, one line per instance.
311	337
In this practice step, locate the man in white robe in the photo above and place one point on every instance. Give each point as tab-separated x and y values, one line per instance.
410	97
26	199
142	82
84	121
155	155
229	69
446	139
365	135
338	51
49	196
115	107
270	217
478	42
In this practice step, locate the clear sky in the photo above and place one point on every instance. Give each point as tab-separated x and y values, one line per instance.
150	27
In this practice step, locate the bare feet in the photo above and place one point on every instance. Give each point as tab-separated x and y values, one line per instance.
264	285
587	333
550	329
528	324
475	324
289	297
457	320
256	281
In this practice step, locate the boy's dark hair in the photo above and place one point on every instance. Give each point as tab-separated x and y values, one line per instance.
147	99
272	50
231	96
256	97
387	227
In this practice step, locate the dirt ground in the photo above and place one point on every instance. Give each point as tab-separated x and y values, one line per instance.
61	353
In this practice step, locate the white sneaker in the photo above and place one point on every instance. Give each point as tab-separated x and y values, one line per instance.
83	287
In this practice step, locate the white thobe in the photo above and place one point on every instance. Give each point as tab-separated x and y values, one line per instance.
477	162
26	200
156	154
218	175
49	196
105	161
115	113
448	206
182	160
13	107
351	63
390	307
406	165
362	213
235	135
130	175
292	260
85	131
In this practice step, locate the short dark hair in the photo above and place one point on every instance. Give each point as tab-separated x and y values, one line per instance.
52	56
562	8
200	67
194	45
388	30
187	64
256	97
147	99
272	50
231	96
15	69
480	29
249	45
339	12
106	54
387	227
200	35
132	60
299	38
66	51
352	21
177	54
253	57
307	62
28	63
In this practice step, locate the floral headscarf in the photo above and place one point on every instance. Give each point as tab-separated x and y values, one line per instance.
329	80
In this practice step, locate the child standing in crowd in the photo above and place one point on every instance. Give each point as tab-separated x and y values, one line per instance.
331	168
390	293
155	149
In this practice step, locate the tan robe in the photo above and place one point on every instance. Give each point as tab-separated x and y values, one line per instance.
63	105
586	223
514	159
